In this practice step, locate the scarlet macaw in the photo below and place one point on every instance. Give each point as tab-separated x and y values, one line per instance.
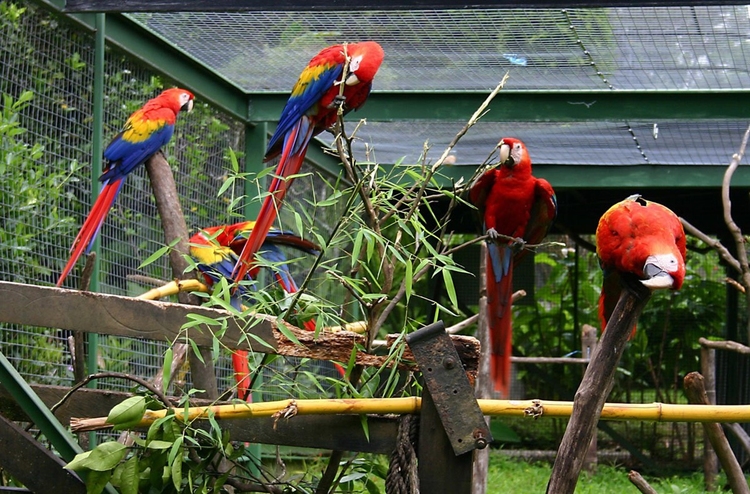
216	249
144	133
311	109
513	203
644	239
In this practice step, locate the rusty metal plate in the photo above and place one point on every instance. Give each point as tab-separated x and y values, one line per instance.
451	391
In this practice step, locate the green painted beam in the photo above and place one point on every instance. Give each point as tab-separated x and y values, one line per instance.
164	58
535	106
604	176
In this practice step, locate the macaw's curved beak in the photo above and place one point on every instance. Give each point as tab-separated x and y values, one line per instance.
505	157
187	107
659	271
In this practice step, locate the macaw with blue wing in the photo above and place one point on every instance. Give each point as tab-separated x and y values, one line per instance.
144	133
311	109
515	204
216	249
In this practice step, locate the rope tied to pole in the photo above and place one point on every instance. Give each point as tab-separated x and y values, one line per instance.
402	469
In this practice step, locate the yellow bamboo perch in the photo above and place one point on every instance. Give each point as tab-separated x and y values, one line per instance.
658	412
173	288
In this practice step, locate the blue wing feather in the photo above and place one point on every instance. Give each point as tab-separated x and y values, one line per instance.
123	156
298	105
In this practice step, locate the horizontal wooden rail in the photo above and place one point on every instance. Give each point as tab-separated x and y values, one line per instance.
162	321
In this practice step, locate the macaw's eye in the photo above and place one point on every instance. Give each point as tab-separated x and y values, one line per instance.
354	63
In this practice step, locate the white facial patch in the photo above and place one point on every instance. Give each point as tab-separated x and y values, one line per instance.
354	63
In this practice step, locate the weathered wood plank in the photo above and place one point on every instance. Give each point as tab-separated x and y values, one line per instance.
125	316
27	460
301	431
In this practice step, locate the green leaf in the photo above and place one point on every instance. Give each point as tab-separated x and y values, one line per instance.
176	449
176	470
97	481
287	333
365	426
129	476
449	288
166	369
408	278
79	462
159	253
159	444
106	456
357	246
128	413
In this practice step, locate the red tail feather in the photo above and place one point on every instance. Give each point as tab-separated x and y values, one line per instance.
241	374
500	327
91	225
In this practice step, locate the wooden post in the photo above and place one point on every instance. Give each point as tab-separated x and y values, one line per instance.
710	460
595	387
483	384
173	223
440	470
589	342
696	394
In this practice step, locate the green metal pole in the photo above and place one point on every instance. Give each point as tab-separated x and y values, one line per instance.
256	138
96	170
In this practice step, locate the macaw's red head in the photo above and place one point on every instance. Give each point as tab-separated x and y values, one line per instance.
643	238
513	154
366	58
176	99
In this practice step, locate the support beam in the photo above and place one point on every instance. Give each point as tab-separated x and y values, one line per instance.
302	5
538	106
579	177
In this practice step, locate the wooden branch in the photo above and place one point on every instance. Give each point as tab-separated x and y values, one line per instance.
734	229
696	394
173	224
595	387
713	243
739	433
728	345
638	481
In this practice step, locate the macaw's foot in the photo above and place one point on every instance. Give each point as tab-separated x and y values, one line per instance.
492	233
517	244
338	101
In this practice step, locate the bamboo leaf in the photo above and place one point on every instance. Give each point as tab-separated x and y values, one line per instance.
449	287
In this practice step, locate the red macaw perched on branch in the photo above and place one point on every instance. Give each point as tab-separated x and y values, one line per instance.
312	108
216	249
144	133
515	204
641	238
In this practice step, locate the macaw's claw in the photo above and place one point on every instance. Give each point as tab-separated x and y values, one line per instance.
338	101
517	244
492	233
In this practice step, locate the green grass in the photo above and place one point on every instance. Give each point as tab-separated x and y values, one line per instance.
511	475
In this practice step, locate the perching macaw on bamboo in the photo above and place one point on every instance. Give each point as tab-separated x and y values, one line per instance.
515	204
144	133
311	109
216	249
644	239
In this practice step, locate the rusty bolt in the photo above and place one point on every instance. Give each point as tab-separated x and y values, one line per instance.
449	363
479	440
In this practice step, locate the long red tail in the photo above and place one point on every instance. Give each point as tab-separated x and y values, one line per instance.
500	326
292	156
91	226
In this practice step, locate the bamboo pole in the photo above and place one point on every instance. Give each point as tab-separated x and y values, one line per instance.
656	412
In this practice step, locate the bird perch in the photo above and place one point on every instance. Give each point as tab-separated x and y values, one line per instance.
595	387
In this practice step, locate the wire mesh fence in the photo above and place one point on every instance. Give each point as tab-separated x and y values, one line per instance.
45	192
